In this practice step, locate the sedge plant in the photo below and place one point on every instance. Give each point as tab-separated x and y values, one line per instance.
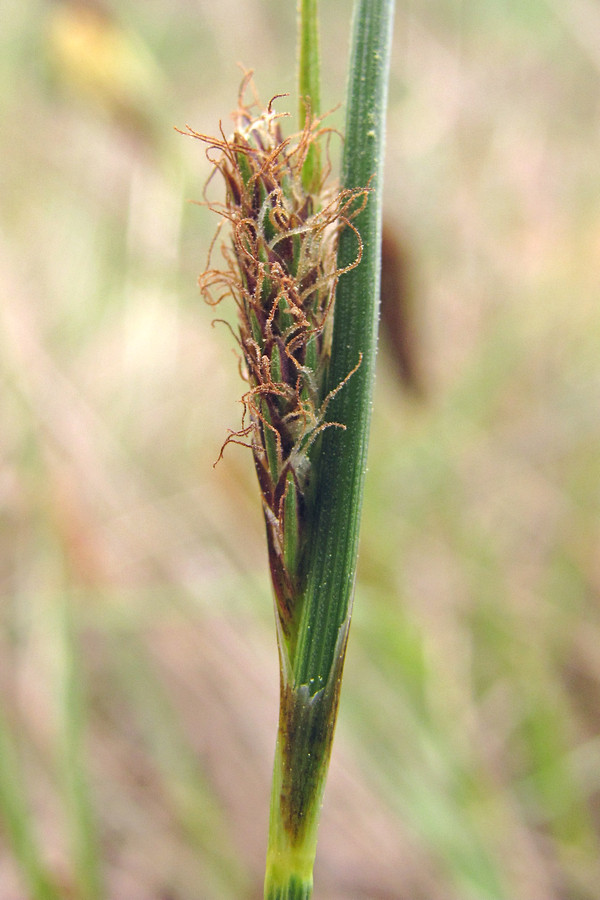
301	262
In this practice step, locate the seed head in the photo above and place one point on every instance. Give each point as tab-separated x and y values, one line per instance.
280	268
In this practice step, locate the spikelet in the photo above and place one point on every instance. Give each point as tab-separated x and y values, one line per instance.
280	268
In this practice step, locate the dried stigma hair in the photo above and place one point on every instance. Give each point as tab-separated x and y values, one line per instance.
280	268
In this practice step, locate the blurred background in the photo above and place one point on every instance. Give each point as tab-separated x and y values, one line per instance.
138	666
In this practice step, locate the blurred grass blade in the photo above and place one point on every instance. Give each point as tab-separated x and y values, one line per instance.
311	678
78	803
16	819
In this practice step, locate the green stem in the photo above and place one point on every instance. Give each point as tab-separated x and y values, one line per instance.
309	84
311	679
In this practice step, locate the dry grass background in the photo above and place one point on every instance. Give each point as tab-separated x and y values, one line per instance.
138	672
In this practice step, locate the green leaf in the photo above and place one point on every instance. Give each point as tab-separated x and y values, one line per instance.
342	455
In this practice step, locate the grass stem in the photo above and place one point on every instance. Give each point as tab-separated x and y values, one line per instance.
309	89
311	679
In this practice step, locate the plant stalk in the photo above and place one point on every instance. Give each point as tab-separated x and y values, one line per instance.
311	677
309	89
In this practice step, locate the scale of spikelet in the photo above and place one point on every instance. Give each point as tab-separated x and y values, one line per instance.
280	268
